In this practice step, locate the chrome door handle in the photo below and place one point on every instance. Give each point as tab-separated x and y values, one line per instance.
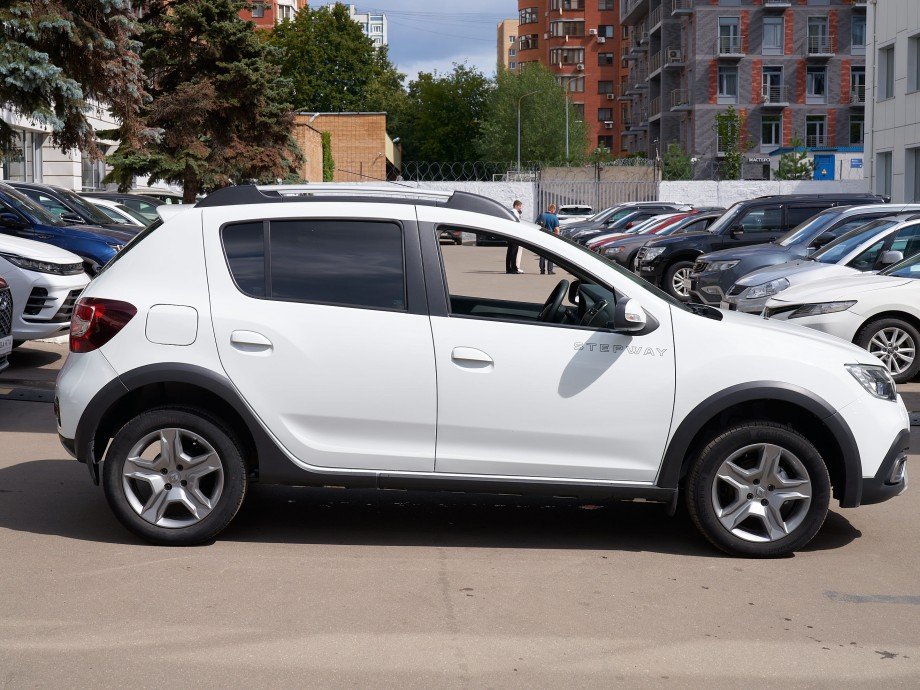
250	341
470	354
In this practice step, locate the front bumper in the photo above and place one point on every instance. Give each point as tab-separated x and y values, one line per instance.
43	303
748	306
891	478
706	287
652	270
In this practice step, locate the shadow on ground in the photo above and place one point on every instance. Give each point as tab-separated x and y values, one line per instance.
56	497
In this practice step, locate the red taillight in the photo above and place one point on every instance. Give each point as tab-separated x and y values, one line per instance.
3	284
96	321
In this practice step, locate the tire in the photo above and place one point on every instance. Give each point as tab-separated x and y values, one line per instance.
458	242
896	343
213	486
725	490
672	274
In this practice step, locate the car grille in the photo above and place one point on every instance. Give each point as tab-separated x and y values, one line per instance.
736	290
38	300
699	266
6	312
66	311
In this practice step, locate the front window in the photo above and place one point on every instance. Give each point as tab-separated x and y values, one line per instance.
815	131
858	35
528	42
763	219
528	15
773	36
818	36
816	85
567	56
811	227
910	268
729	35
29	208
567	28
857	129
848	242
771	127
728	85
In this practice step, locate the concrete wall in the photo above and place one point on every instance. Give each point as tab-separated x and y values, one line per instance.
503	192
704	193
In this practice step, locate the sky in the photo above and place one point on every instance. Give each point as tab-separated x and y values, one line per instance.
427	35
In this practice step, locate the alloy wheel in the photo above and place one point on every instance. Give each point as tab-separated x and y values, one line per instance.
761	493
680	283
895	347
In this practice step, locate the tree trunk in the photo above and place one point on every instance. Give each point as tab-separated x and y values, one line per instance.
190	188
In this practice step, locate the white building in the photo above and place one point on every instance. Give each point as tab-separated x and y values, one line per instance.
374	25
893	99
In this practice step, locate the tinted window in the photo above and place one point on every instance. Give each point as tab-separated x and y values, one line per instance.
762	219
907	240
245	250
53	205
807	230
29	208
843	245
85	208
866	259
799	214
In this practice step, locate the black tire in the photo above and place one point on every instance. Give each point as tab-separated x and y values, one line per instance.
667	283
458	242
871	329
700	491
211	430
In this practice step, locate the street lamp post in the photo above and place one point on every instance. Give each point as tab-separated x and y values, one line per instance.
519	127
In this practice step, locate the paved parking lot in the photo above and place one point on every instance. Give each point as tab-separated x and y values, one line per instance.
326	587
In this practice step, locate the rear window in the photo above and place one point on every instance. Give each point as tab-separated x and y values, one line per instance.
338	262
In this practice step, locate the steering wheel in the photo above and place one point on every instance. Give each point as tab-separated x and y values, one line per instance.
552	311
592	313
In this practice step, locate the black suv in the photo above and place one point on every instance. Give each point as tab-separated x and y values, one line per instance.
668	261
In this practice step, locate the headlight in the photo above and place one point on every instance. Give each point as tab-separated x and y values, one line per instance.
721	265
43	266
767	289
614	250
876	380
821	308
653	253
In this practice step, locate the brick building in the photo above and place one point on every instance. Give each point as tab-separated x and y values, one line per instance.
792	68
506	44
361	148
267	13
580	41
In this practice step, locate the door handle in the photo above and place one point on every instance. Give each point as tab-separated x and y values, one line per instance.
471	355
250	341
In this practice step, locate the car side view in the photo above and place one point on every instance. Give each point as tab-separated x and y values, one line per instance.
321	335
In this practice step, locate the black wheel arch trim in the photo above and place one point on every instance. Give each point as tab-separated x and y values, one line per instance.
673	465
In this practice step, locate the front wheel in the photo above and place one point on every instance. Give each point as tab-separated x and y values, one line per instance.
677	280
895	342
760	490
174	476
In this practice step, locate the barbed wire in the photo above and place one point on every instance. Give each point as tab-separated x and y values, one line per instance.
502	171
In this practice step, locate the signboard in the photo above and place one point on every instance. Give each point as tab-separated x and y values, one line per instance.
856	163
756	159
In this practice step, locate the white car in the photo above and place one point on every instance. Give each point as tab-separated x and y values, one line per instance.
6	324
573	213
330	340
880	312
45	282
119	213
871	247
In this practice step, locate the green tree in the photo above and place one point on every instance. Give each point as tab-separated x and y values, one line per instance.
543	116
733	141
57	55
219	109
676	164
328	161
443	115
795	165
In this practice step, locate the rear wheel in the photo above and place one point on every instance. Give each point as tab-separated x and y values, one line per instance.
677	280
895	342
174	476
760	490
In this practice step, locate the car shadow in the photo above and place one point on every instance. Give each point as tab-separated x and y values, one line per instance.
25	357
56	497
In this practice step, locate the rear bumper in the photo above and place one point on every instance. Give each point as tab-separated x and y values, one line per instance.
891	478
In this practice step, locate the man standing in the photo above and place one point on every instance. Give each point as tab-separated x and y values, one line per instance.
513	255
549	222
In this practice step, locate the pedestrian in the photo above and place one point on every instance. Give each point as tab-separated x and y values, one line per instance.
513	255
549	222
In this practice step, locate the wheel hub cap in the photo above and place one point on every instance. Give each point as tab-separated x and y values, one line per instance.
895	347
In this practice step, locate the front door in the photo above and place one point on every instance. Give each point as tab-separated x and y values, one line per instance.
758	225
526	389
323	328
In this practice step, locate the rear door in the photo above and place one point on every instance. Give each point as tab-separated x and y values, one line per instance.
321	323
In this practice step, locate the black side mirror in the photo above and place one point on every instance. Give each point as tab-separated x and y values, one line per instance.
737	232
12	221
823	238
71	217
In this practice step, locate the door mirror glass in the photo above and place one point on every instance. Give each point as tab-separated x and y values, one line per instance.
70	217
12	221
890	257
629	316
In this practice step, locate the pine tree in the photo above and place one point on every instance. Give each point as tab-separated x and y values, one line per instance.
58	55
220	108
795	165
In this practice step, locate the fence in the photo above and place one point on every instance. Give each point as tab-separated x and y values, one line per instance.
599	194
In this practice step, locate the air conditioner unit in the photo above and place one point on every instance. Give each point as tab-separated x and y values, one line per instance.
608	125
601	39
545	36
611	96
580	67
673	55
592	32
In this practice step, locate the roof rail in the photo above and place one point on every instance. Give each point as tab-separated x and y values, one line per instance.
267	194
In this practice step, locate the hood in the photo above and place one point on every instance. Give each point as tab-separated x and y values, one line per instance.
679	238
838	289
741	253
632	239
801	270
39	251
95	232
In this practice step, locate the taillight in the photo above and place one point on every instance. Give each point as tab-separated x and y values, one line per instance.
96	321
3	284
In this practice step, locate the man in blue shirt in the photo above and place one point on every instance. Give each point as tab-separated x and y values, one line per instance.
549	222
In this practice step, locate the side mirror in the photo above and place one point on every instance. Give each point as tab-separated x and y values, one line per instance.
70	217
737	232
629	316
890	257
823	238
12	221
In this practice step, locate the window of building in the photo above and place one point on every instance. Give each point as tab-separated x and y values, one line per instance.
604	114
92	172
816	85
528	15
571	84
729	35
512	65
886	73
607	30
772	85
605	142
857	129
605	59
858	34
728	84
911	177
24	162
771	130
913	63
578	111
512	52
858	85
883	173
258	10
567	56
528	42
605	86
286	13
815	131
567	27
567	4
773	35
605	4
819	41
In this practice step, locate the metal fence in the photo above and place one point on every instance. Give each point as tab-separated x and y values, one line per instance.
599	194
501	171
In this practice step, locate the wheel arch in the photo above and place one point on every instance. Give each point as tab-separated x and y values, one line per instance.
888	314
786	403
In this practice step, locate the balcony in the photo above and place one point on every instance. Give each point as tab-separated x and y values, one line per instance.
654	19
858	95
816	141
631	11
680	99
681	7
819	47
638	119
654	64
624	93
730	47
775	96
654	108
780	5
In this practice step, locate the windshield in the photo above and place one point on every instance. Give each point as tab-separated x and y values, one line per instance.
804	232
602	215
909	268
726	219
843	245
31	209
86	208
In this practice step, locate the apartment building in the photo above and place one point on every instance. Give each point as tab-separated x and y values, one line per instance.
374	25
266	13
579	40
793	69
506	44
893	134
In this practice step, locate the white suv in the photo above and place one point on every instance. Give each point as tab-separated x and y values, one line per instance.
320	336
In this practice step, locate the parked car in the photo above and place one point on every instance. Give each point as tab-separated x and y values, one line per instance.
571	213
713	274
625	221
70	207
625	249
6	324
119	213
45	282
872	247
164	196
646	227
668	262
609	216
22	217
452	235
346	360
878	312
145	205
